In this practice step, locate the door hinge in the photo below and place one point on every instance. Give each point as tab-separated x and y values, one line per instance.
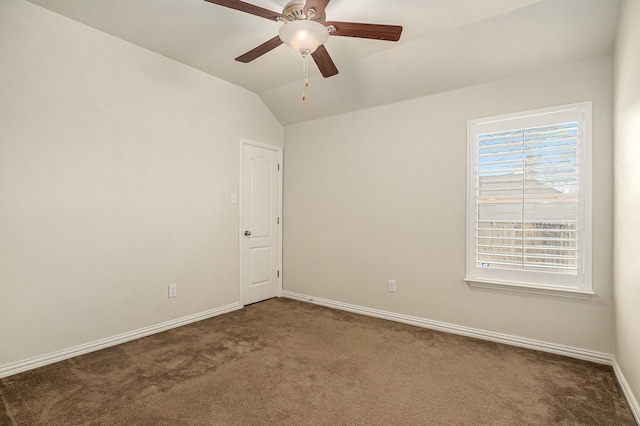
278	167
278	274
278	221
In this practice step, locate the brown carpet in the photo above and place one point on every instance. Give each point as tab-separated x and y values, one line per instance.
283	362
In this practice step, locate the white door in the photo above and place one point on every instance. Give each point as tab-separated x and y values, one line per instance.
260	224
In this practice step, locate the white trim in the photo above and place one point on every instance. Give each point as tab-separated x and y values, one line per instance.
260	145
240	170
279	150
626	390
280	212
529	288
50	358
583	354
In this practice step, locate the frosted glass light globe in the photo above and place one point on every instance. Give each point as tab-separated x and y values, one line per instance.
303	36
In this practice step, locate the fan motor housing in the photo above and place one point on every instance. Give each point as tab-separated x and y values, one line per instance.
294	10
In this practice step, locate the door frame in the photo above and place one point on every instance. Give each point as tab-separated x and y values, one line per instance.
278	150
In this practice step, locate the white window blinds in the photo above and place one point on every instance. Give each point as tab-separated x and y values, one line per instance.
527	198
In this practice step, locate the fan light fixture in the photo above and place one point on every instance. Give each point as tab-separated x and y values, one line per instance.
304	36
305	29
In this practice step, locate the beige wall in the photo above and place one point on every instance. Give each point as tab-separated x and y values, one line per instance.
627	194
116	169
380	194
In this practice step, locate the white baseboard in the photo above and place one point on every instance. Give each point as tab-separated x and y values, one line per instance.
631	399
39	361
597	357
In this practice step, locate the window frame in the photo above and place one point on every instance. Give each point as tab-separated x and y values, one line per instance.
548	283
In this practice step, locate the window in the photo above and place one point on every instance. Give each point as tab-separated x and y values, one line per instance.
528	212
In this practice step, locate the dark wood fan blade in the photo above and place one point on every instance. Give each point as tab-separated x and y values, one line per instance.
260	50
324	62
374	31
318	5
249	8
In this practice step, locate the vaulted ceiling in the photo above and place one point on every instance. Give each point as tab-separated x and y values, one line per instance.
446	44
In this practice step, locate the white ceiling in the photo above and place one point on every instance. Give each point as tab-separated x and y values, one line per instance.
446	44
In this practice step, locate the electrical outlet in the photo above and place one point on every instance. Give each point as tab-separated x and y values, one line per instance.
173	290
392	286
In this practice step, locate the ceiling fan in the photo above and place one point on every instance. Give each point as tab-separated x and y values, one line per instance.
305	29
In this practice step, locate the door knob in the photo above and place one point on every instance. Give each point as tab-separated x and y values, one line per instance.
247	233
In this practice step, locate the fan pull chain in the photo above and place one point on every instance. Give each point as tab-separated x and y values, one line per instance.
305	73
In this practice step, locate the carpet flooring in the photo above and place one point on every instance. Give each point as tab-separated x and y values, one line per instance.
284	362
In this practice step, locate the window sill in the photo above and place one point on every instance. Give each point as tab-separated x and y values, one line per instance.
529	288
